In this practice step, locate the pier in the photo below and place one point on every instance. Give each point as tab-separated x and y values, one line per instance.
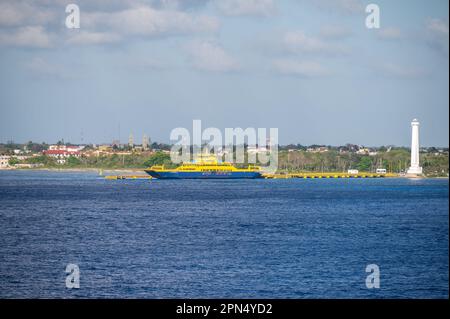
115	177
312	175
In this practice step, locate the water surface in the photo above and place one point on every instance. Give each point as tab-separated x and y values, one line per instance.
290	238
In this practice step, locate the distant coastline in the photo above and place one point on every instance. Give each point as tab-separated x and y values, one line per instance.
291	158
81	169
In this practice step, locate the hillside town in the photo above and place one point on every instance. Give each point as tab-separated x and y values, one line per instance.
34	155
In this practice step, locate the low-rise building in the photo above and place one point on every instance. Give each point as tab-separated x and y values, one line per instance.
61	155
4	161
363	151
68	148
21	157
256	149
321	149
105	148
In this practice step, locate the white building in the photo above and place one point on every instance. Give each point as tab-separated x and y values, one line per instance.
68	148
321	149
253	149
363	151
62	155
4	161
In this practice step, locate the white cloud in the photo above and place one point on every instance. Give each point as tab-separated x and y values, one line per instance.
390	33
40	65
334	32
149	63
298	42
246	7
438	35
34	36
27	23
209	56
18	13
42	68
146	21
84	37
300	68
342	6
401	71
179	4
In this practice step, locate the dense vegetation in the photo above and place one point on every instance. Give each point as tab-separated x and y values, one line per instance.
114	161
396	161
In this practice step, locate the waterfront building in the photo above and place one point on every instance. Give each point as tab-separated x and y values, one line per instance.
4	161
62	155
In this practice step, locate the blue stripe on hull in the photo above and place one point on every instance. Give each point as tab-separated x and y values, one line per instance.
203	175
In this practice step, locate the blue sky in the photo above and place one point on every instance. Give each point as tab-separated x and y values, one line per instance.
310	68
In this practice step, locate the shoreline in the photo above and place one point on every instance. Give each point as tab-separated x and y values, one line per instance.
81	170
140	171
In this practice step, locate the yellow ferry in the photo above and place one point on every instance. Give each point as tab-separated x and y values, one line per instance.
204	167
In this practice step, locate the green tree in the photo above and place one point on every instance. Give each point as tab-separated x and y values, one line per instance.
13	161
73	161
158	158
43	159
365	164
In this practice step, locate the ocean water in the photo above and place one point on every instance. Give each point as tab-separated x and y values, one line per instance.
217	239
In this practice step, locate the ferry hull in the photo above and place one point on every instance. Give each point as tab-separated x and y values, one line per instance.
203	175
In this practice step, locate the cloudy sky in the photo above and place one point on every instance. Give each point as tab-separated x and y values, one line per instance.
310	68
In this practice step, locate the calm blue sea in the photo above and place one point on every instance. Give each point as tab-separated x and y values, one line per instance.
245	239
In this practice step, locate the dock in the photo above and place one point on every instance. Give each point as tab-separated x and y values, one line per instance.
327	175
115	177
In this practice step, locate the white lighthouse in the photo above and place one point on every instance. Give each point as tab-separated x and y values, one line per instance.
415	167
